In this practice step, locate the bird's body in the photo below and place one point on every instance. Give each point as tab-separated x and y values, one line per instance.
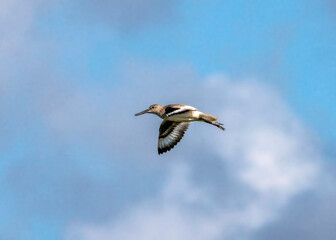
180	113
177	118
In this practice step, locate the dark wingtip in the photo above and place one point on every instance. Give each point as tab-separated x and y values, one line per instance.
163	150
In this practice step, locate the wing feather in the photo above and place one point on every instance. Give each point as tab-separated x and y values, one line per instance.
171	110
170	134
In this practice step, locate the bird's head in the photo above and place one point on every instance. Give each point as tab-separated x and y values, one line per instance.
155	109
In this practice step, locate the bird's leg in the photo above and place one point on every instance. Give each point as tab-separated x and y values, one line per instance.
217	124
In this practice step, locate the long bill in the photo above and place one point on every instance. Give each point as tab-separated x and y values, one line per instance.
140	113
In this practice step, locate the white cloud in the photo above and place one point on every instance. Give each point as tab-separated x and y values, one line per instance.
261	151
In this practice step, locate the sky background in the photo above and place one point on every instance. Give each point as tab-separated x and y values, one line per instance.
76	164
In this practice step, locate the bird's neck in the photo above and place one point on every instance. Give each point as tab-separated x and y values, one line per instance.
160	112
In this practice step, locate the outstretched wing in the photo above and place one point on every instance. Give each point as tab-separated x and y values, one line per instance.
170	134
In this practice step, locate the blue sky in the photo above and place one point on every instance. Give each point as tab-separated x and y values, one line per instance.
289	44
75	164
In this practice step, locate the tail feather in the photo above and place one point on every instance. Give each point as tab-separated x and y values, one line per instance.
208	117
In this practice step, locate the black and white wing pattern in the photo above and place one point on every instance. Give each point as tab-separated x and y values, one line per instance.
170	134
174	109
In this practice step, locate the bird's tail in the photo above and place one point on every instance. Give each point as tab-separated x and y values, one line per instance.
208	117
211	119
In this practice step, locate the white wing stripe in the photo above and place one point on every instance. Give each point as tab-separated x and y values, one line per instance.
176	132
181	109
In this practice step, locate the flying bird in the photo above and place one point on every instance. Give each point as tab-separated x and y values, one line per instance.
176	120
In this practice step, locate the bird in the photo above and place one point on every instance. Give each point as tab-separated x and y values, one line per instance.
176	120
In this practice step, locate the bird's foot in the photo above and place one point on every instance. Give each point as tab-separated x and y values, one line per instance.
219	125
